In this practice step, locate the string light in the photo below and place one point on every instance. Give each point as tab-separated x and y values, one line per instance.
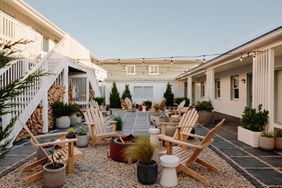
118	61
204	58
254	56
171	61
143	61
241	58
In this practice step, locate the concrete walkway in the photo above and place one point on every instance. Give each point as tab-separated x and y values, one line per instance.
261	168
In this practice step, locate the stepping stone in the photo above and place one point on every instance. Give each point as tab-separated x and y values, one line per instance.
267	176
22	151
248	162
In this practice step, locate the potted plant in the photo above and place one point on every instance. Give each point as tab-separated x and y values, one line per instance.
278	140
61	112
78	117
148	104
142	151
74	109
71	133
205	112
82	137
119	123
253	121
54	173
266	140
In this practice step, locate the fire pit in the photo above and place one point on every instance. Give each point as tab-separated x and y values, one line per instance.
117	147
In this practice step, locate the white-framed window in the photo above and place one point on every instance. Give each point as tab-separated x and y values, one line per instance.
217	88
143	92
234	87
153	69
130	69
202	89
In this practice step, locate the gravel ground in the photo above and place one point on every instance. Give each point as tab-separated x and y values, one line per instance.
97	170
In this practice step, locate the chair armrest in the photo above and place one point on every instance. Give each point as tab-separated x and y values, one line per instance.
192	135
52	135
168	123
114	125
178	142
56	142
185	126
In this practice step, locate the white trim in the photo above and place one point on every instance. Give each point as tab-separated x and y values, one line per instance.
151	68
128	70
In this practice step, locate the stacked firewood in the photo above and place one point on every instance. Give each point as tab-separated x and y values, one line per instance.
35	121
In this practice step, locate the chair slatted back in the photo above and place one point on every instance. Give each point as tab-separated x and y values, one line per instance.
189	118
128	103
93	116
123	104
182	104
205	142
162	104
34	140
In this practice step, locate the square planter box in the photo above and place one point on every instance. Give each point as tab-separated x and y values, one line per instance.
248	137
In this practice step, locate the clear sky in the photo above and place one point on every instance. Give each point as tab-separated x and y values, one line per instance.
161	28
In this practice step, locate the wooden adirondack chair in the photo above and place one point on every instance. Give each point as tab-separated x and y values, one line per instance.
162	104
184	127
69	153
96	125
124	106
187	158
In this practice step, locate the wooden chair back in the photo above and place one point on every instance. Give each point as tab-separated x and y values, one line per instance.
128	103
189	118
93	116
162	104
182	104
94	104
123	105
205	142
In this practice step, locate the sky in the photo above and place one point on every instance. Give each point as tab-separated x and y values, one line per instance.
161	28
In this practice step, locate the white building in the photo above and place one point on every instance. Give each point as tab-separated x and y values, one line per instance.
248	75
52	50
147	79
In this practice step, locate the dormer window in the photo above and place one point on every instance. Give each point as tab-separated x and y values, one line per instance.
153	69
130	69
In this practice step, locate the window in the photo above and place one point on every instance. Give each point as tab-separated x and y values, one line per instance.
130	69
234	87
144	92
153	69
217	88
202	89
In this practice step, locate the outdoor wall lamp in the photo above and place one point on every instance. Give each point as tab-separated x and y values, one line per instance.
243	81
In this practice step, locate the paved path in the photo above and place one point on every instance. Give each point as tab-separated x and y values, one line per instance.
261	168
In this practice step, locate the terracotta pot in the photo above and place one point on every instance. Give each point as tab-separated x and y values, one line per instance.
205	117
54	177
266	143
278	143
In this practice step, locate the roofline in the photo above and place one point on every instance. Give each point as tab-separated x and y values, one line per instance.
22	4
228	53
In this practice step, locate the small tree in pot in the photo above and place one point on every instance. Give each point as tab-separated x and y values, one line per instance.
54	173
82	137
119	123
61	112
205	112
142	151
148	104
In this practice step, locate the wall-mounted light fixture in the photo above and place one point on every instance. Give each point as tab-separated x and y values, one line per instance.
243	81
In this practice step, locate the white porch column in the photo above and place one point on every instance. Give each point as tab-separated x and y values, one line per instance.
210	84
66	84
189	89
263	83
45	102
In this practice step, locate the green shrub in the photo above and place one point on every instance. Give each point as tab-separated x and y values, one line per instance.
99	100
60	109
278	134
114	97
169	95
126	93
180	99
148	103
119	123
267	134
204	105
81	131
73	108
254	120
71	131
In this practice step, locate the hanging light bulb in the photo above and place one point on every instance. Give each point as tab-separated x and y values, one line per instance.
204	58
118	61
241	58
254	56
143	61
171	61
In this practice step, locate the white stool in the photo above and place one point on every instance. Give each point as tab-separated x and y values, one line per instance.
153	136
168	175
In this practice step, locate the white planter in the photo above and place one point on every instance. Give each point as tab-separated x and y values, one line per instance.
82	141
266	143
78	120
73	120
248	137
63	122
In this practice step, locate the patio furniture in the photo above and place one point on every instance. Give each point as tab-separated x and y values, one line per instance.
153	136
187	158
162	104
96	126
69	153
183	128
168	174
